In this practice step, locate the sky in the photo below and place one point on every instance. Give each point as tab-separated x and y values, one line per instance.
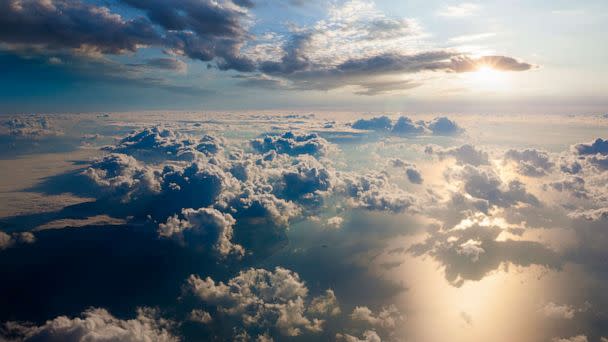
525	57
295	170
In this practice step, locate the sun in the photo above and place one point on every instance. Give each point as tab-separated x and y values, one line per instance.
488	79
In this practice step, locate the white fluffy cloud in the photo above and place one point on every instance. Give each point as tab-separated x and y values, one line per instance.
98	325
266	299
293	143
205	226
374	191
167	143
388	317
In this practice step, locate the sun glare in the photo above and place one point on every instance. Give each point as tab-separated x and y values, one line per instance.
487	78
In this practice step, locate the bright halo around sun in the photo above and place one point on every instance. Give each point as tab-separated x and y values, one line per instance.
486	78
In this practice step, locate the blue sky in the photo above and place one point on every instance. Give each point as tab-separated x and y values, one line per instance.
414	56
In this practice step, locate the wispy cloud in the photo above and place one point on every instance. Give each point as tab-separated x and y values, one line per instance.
472	37
461	10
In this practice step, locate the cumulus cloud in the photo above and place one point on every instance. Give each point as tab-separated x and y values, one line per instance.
599	146
293	143
380	123
472	252
441	126
411	172
465	154
266	299
553	310
483	183
31	126
334	222
471	249
326	304
444	126
9	240
405	125
200	316
124	176
167	143
530	162
5	240
584	178
204	226
388	317
374	191
97	325
368	336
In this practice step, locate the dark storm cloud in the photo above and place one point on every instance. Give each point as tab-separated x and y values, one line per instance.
218	32
200	30
72	24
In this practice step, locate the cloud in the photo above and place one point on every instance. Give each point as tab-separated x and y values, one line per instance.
411	172
441	126
166	143
124	176
553	310
334	222
530	162
9	240
73	25
380	123
5	240
405	126
388	317
200	316
471	249
292	143
599	146
374	191
465	154
483	183
413	175
171	64
265	299
368	336
97	325
205	226
444	126
578	338
31	126
371	59
473	252
325	305
465	9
